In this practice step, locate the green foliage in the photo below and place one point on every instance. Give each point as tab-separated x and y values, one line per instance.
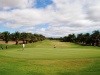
17	36
6	36
84	39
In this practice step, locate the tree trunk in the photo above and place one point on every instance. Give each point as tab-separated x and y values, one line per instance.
16	42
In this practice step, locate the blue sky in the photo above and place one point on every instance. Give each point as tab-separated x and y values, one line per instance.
3	28
54	18
42	3
39	4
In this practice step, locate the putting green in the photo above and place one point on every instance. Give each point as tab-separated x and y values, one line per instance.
42	59
52	53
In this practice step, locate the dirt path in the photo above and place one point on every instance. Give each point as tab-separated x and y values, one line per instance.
10	42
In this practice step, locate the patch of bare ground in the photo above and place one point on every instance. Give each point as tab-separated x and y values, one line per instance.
10	42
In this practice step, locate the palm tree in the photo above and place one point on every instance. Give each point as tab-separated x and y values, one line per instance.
95	37
99	40
86	38
12	37
65	39
71	38
80	38
34	38
0	35
28	37
23	36
6	36
41	37
17	37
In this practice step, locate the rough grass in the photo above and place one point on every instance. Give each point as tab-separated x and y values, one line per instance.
42	59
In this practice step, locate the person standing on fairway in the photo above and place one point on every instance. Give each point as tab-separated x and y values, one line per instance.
23	45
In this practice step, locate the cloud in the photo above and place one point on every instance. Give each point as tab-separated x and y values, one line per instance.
27	29
93	10
16	3
62	16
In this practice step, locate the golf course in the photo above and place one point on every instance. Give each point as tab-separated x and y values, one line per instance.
41	58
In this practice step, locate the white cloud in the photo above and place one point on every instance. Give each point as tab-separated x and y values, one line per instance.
93	10
27	29
16	3
63	16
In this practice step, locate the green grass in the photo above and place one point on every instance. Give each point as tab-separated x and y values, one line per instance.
42	59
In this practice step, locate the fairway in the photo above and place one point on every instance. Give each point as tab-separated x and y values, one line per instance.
42	59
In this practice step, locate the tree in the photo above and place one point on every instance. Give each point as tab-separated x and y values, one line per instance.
17	37
71	38
28	37
1	37
99	40
95	38
6	36
34	38
87	38
23	36
80	38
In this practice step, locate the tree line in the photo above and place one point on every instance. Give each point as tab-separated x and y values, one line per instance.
17	36
92	39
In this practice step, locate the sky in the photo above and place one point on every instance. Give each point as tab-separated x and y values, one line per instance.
51	18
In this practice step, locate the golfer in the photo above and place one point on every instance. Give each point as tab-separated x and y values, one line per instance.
23	45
